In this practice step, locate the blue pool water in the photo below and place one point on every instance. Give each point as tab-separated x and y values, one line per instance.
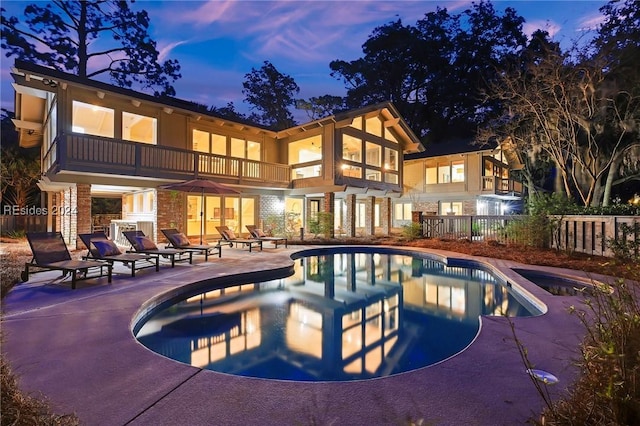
348	315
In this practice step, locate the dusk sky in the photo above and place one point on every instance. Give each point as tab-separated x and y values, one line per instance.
218	42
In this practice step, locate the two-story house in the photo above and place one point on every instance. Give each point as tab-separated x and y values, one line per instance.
459	177
98	140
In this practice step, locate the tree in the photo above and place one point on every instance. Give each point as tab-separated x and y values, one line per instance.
90	39
271	94
322	106
434	71
576	109
19	169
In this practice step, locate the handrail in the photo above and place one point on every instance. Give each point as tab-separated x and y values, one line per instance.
105	155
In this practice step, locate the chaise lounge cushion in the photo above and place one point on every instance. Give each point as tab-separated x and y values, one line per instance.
229	234
106	248
144	243
179	240
258	233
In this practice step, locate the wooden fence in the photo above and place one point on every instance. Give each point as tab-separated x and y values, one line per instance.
19	223
578	233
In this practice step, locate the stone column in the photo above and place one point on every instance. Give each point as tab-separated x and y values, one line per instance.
329	207
350	228
385	216
169	210
81	206
369	223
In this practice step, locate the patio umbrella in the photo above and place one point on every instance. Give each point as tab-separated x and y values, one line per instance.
200	186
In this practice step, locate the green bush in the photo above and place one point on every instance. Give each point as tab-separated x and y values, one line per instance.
412	231
627	246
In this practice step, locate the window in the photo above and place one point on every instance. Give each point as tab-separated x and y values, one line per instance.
200	141
351	171
457	171
448	208
373	126
241	148
139	128
92	120
351	148
445	172
305	150
374	175
389	136
373	154
403	211
432	175
390	159
356	123
218	144
391	178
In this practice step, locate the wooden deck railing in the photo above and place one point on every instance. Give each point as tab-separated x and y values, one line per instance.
84	153
499	185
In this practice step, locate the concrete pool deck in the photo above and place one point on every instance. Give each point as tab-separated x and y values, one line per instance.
76	348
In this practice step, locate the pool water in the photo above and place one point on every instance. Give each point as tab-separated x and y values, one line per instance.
341	316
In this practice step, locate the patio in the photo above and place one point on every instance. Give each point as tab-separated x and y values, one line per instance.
76	348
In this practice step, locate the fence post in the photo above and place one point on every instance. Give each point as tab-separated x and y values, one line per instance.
469	220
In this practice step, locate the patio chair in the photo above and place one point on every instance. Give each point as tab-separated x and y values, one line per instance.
258	234
229	237
100	247
179	240
50	252
140	243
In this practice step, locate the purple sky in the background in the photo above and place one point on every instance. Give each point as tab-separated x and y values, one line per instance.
218	42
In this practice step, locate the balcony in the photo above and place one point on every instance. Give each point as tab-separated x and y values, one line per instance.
500	186
93	154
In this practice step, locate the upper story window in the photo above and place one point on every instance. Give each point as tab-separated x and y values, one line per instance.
212	143
357	123
139	128
390	159
351	148
445	172
241	148
305	150
92	120
373	126
373	154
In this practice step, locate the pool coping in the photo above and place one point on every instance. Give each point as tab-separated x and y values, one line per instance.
57	343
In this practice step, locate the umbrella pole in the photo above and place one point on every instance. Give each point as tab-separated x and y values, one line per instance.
201	216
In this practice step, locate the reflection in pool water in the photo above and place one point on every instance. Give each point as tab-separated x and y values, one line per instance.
342	316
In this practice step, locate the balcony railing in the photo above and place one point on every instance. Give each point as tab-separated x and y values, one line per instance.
92	154
499	185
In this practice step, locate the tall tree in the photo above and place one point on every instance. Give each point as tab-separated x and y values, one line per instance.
19	168
270	94
320	106
575	108
90	39
434	71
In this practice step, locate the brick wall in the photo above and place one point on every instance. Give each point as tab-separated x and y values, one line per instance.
83	209
169	208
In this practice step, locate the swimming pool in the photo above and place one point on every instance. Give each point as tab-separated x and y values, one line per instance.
344	314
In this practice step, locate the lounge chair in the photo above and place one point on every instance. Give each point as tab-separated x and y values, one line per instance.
100	247
140	243
180	241
50	252
229	237
258	234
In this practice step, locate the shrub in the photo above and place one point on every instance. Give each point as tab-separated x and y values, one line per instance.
627	247
412	231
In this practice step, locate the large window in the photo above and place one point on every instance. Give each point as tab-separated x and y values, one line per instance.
139	128
92	120
374	154
351	148
445	172
303	151
402	211
451	208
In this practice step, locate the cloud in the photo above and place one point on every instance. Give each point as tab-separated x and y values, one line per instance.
549	26
590	23
166	50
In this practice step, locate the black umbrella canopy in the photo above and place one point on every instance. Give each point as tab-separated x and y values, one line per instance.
200	186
